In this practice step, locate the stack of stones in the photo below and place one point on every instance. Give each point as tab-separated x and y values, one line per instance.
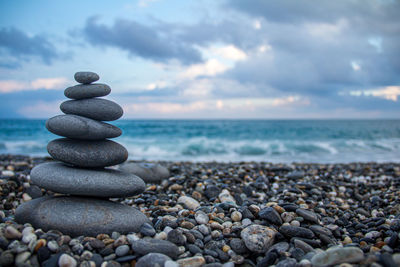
81	178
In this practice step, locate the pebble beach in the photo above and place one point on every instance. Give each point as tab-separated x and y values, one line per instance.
225	214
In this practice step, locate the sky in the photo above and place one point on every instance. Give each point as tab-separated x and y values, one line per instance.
205	59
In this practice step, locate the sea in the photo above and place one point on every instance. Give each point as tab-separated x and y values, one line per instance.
277	141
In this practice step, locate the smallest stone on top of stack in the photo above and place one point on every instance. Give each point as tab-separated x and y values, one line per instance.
82	176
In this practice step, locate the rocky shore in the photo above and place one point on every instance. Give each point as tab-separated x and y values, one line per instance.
225	214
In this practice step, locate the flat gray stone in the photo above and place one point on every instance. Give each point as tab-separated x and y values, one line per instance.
152	260
92	154
86	77
149	172
82	91
77	216
145	246
61	178
78	127
258	238
337	255
94	108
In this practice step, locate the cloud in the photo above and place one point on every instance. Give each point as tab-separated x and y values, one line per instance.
275	54
315	54
23	47
10	86
388	93
231	52
210	68
247	108
141	40
293	11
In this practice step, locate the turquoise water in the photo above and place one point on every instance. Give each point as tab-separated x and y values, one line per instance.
232	140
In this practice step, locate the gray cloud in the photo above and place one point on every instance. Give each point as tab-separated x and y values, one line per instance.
314	44
141	40
18	44
293	11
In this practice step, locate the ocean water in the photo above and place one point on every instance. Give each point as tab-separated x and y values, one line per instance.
322	141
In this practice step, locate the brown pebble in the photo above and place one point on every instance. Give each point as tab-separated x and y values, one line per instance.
187	225
151	188
226	248
108	241
374	249
40	243
175	187
196	195
380	244
102	236
279	209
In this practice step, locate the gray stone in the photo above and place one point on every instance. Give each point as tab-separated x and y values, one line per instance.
82	91
238	246
303	245
152	260
271	215
61	178
94	108
147	230
149	172
280	247
308	215
86	77
338	255
258	238
295	175
296	231
319	230
145	246
77	216
289	262
6	258
78	127
82	153
122	250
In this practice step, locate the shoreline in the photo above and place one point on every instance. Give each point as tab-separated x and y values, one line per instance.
220	162
315	209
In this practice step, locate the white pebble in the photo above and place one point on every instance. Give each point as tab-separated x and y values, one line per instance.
167	229
21	258
28	238
67	261
7	173
191	203
52	245
170	263
161	235
201	217
236	216
27	230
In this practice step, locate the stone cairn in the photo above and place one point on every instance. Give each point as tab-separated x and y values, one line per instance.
82	177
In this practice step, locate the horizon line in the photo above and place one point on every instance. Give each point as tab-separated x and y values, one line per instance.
219	119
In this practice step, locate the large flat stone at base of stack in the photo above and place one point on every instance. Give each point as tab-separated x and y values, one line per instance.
77	216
